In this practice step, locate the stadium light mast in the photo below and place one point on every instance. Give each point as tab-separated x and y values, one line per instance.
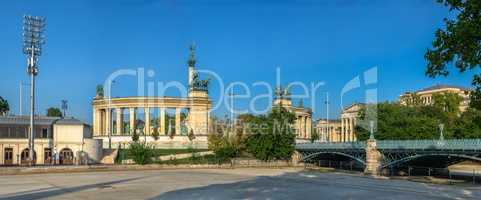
33	39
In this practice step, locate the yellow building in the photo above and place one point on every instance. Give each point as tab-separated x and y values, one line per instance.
57	141
349	118
426	95
328	130
303	123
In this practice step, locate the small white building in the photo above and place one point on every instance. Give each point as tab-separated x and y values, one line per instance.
57	141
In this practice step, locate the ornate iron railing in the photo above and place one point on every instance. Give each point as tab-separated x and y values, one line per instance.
326	145
455	144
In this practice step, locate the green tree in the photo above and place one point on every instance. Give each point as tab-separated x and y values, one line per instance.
141	152
155	133
314	135
459	44
273	138
4	107
133	132
447	102
54	112
468	125
398	122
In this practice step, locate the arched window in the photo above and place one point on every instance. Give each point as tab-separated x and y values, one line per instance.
24	157
66	156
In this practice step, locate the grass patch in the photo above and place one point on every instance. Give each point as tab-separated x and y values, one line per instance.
207	159
123	153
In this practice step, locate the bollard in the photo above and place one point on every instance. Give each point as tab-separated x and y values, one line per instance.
429	171
449	173
409	171
351	165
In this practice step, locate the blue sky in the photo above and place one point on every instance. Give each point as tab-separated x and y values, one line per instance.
241	40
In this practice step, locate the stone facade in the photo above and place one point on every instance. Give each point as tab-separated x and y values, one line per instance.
349	117
303	123
116	130
426	95
70	139
328	130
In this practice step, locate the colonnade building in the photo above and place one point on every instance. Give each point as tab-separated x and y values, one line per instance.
425	96
116	119
303	123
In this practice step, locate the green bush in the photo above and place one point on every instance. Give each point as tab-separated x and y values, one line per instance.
226	153
141	152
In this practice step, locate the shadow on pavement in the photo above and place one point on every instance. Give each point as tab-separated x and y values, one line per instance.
305	185
55	191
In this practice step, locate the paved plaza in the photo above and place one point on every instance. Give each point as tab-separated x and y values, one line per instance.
222	184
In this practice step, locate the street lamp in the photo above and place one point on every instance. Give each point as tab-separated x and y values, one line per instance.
371	130
441	134
33	39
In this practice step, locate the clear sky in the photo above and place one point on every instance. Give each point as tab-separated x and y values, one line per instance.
241	40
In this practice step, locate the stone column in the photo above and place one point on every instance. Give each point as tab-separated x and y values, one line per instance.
147	120
342	130
118	121
108	121
298	127
309	127
131	119
373	158
177	121
96	122
302	132
162	121
351	132
354	136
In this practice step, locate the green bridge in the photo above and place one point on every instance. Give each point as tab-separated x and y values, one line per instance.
391	153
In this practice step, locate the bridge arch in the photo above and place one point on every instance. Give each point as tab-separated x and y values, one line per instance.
412	157
359	160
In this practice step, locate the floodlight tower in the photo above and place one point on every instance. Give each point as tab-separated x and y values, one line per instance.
33	39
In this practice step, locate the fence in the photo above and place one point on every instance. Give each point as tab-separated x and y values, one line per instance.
471	175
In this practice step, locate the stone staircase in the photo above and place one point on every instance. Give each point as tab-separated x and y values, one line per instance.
109	156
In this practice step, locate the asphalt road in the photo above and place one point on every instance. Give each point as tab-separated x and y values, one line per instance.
222	184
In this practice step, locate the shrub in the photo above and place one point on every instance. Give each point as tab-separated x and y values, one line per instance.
225	153
141	152
156	134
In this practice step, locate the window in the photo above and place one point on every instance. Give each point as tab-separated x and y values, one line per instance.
44	133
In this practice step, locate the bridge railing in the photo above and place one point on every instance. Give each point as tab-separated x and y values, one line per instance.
326	145
452	144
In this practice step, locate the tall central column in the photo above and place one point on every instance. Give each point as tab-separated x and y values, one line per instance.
119	120
131	120
162	121
177	121
108	121
147	121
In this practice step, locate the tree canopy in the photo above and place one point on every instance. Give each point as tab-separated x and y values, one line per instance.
272	136
4	107
54	112
400	122
459	44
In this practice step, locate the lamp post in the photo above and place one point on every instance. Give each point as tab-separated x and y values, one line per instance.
32	47
441	134
64	107
371	130
328	130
